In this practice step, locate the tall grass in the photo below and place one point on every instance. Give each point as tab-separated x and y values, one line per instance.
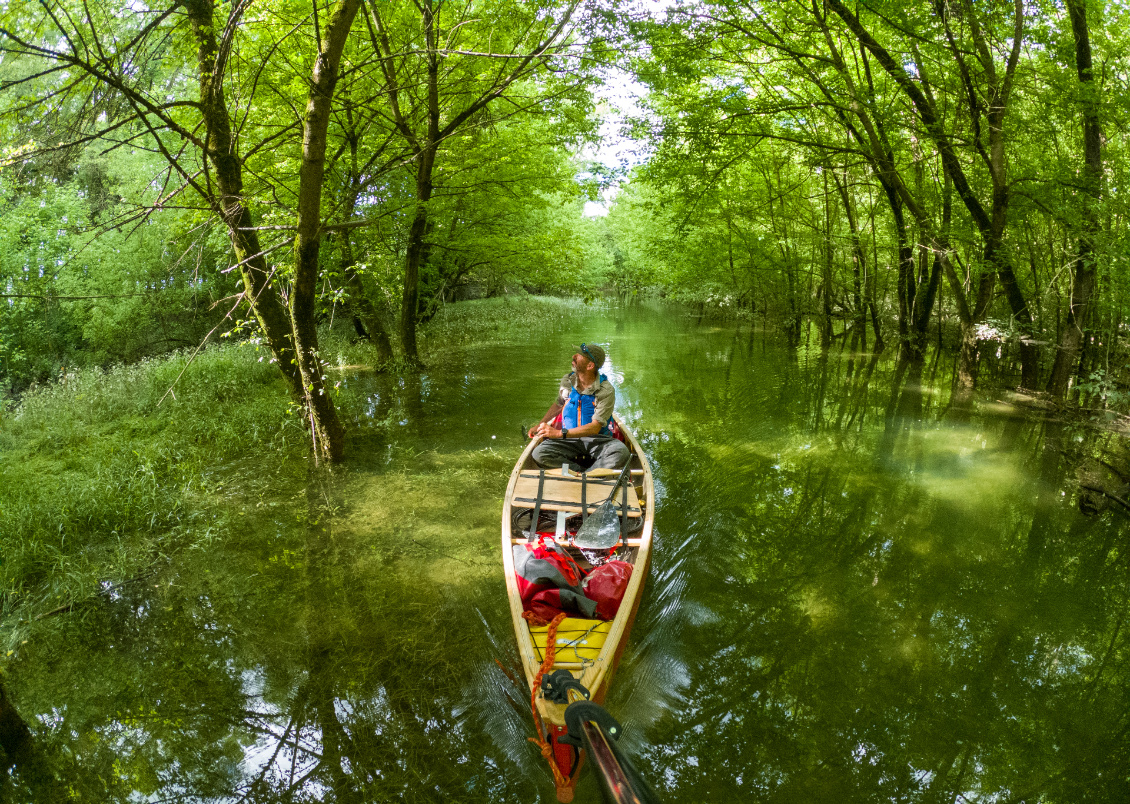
99	477
103	472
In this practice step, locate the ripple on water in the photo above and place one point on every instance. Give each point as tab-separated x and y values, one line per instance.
496	697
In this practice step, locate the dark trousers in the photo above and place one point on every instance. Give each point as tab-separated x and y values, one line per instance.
595	452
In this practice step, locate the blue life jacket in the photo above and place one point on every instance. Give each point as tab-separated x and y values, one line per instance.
578	411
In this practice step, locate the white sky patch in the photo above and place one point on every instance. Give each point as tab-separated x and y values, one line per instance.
617	101
595	209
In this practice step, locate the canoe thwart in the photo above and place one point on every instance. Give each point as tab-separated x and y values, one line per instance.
557	493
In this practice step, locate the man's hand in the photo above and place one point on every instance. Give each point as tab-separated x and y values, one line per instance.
547	430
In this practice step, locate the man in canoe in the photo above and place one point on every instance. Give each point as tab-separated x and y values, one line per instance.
585	399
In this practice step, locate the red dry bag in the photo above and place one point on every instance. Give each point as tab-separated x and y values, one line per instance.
605	585
549	581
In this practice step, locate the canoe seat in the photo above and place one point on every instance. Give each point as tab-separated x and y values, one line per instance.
578	639
564	493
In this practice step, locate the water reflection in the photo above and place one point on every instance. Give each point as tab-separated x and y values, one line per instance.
861	590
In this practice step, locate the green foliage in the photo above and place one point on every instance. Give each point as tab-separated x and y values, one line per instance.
506	212
138	194
1104	388
89	285
759	121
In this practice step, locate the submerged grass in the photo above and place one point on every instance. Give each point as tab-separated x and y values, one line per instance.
405	520
105	473
508	319
501	320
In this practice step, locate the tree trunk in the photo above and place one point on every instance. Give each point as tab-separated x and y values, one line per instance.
924	306
990	223
417	235
857	288
826	329
326	429
872	302
400	73
15	736
858	263
928	283
417	249
259	289
905	266
967	358
1029	350
366	311
1083	284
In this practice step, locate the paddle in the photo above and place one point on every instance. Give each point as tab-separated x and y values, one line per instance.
591	727
601	530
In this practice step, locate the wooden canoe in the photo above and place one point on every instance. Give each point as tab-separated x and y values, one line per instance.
588	649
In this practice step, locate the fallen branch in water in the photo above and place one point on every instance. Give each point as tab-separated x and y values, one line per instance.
1122	502
101	593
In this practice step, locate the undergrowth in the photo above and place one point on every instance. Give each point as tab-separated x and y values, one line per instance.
105	472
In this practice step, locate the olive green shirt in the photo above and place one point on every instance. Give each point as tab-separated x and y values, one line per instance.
604	395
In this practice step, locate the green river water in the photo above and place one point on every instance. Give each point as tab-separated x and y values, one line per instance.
858	593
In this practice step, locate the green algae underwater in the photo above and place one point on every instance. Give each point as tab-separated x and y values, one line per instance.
859	592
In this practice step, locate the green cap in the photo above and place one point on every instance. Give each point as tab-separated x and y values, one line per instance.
592	351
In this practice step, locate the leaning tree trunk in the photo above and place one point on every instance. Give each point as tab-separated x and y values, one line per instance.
991	223
326	429
259	286
364	309
1083	284
1021	312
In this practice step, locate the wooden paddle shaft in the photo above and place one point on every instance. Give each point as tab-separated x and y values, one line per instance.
619	779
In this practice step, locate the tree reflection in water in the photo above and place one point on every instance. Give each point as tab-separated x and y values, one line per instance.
894	618
861	590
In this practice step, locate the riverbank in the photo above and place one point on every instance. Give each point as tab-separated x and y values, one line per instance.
105	473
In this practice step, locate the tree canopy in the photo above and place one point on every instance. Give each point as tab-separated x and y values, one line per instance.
181	170
951	160
282	126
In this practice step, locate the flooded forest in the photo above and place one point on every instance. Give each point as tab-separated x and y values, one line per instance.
284	285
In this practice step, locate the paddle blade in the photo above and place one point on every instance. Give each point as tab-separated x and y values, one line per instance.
601	530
